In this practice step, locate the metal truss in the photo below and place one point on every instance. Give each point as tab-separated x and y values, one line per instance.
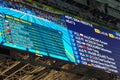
26	66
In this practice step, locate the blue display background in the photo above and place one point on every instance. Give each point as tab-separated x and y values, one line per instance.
89	30
37	22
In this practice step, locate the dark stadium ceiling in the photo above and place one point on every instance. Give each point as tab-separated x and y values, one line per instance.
106	12
110	7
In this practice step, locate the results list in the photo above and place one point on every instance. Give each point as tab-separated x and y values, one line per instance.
30	37
88	51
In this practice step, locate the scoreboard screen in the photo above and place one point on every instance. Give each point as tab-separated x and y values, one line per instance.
80	42
35	38
94	46
34	34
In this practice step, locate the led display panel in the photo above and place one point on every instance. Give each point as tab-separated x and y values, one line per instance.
35	38
94	46
78	42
